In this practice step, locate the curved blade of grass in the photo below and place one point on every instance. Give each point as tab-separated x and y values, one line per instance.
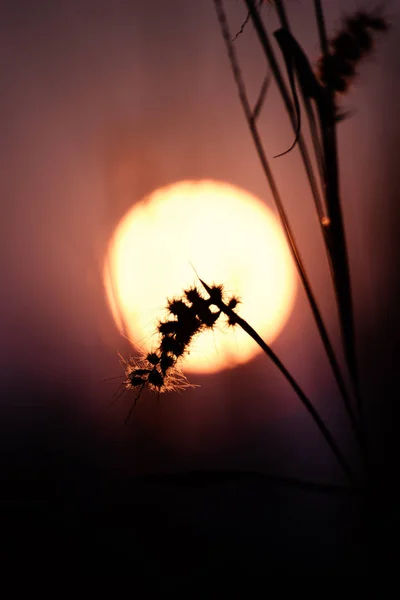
276	72
291	380
280	9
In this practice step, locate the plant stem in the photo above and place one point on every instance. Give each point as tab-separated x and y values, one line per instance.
282	214
335	235
335	244
321	211
323	39
274	66
291	380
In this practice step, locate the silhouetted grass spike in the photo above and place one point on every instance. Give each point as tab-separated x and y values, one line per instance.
336	69
171	345
135	380
168	327
216	293
358	28
209	319
233	302
345	45
232	320
165	378
156	378
364	20
186	330
178	308
166	362
141	372
153	358
193	295
335	72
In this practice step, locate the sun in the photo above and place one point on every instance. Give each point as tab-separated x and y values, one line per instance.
229	237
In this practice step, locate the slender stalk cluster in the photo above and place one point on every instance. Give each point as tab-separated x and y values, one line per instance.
191	313
337	68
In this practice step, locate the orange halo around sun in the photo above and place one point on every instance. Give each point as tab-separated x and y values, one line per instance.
230	238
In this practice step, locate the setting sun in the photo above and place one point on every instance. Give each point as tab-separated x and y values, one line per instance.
229	237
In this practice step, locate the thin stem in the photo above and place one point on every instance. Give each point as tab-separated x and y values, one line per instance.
291	380
281	211
321	211
273	63
336	241
329	175
135	400
319	13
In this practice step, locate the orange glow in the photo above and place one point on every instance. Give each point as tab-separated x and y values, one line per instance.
230	237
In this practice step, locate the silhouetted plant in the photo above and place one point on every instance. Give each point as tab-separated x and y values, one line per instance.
320	90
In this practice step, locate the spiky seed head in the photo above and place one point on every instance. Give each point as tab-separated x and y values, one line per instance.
361	34
178	308
166	362
210	318
216	292
201	307
170	345
168	327
193	295
373	21
156	378
378	23
345	46
135	380
141	372
233	302
232	320
153	358
186	330
329	74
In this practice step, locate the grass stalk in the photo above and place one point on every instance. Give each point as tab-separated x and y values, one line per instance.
338	241
290	379
282	213
320	209
276	72
333	234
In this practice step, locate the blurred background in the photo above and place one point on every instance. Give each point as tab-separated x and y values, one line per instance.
103	102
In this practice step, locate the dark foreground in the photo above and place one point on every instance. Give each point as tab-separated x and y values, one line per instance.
67	512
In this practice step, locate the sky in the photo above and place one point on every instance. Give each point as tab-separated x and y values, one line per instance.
103	102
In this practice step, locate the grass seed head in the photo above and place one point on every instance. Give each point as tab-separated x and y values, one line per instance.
345	46
337	69
178	308
216	293
166	362
361	35
210	318
156	378
168	327
170	345
135	380
233	302
232	320
193	295
153	358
